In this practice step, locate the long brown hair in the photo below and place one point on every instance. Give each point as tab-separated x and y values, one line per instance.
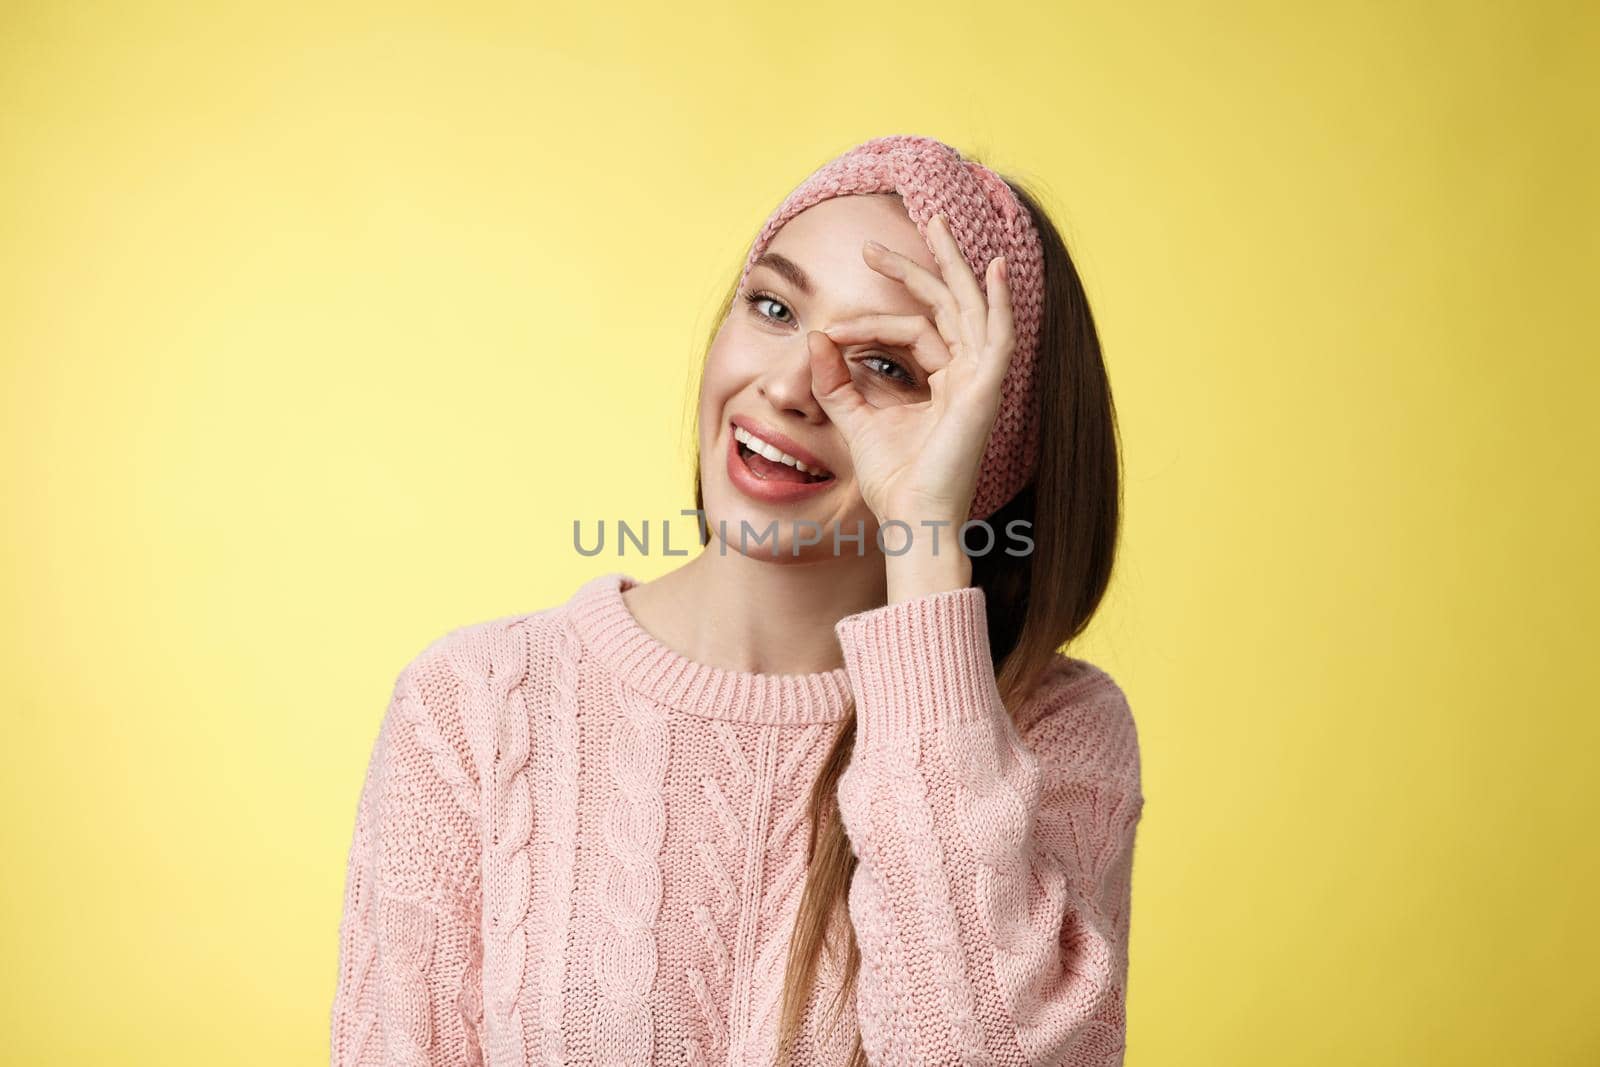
1035	603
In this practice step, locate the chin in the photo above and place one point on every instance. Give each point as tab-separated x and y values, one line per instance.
726	506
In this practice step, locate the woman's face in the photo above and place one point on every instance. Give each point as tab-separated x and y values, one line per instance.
758	377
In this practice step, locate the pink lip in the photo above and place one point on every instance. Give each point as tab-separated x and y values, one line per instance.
770	492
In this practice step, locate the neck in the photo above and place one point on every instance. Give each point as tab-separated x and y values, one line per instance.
755	613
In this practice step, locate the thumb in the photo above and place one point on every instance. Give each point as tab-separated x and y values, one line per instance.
832	386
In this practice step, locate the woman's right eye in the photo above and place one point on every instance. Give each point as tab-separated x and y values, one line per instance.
755	300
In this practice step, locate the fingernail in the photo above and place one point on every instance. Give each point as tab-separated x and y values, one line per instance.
875	246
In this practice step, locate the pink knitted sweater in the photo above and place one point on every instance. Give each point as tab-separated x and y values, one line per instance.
575	845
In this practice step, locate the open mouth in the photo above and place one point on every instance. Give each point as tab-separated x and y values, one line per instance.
774	465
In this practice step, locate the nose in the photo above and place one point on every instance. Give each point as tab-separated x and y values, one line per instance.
787	383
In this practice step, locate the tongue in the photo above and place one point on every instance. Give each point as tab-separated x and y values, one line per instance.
774	472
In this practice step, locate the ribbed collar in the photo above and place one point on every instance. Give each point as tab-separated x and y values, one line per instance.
614	636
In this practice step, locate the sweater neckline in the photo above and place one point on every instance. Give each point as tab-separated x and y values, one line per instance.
614	636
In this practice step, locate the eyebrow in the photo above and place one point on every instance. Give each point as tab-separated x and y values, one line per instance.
788	268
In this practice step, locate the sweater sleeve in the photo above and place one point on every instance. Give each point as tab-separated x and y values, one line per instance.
409	982
994	864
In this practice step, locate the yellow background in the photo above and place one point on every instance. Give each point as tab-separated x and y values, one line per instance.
320	326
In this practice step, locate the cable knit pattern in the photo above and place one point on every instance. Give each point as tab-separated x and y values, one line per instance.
782	898
560	817
492	662
712	991
574	845
405	942
630	888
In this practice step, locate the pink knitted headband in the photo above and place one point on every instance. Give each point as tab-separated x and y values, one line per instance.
987	220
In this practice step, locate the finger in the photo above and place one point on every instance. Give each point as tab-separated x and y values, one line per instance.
959	277
913	332
924	285
1002	330
833	387
936	387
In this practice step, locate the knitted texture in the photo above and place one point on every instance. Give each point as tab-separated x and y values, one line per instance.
575	845
987	220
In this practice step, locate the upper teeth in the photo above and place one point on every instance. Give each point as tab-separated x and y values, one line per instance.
777	455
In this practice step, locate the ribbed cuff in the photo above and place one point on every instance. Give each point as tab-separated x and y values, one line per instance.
917	665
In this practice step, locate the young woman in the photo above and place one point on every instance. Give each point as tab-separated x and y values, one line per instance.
792	802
